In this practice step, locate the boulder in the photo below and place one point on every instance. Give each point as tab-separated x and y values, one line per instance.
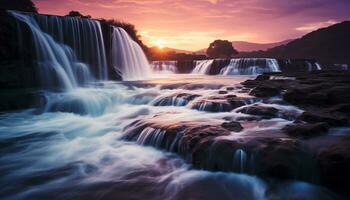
306	130
265	91
333	119
334	163
203	144
232	126
263	111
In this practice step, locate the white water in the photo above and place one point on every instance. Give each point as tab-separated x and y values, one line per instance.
73	155
166	66
202	66
250	66
127	57
71	147
318	66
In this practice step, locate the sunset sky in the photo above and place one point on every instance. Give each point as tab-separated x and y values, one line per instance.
193	24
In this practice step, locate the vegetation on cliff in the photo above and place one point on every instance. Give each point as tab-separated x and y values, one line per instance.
20	5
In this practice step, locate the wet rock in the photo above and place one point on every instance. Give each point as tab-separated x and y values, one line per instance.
341	108
334	163
265	91
267	112
238	102
177	99
203	144
263	77
230	96
284	159
219	103
232	126
306	130
179	137
223	92
211	105
333	119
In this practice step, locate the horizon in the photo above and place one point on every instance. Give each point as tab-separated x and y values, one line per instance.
193	25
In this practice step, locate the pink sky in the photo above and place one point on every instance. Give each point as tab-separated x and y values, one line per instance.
193	24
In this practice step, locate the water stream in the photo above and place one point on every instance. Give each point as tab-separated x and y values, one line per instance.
72	145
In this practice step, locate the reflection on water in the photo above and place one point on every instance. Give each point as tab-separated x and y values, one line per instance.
73	148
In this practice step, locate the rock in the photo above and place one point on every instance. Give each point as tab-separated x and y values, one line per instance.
334	163
267	112
203	145
284	159
223	92
219	103
333	119
211	105
238	102
232	126
263	77
306	130
265	91
338	94
176	99
341	108
230	96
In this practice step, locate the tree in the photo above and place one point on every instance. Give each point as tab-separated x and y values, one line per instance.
19	5
74	13
221	49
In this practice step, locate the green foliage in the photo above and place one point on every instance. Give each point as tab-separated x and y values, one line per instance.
19	5
221	49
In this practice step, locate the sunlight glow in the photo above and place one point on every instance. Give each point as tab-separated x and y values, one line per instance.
159	43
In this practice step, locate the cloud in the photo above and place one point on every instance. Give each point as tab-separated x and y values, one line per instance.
183	23
314	26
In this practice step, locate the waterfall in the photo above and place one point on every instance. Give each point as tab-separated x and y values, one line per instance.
62	46
164	66
128	59
202	66
250	66
240	160
318	66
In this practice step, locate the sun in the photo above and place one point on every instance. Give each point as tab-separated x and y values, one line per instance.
159	43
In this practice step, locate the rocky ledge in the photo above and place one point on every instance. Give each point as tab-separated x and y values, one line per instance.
209	145
323	95
262	134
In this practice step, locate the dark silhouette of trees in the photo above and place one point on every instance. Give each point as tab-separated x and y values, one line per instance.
74	13
19	5
221	49
129	28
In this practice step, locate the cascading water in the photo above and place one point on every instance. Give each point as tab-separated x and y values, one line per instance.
202	66
250	66
318	66
74	149
127	57
83	36
164	66
60	43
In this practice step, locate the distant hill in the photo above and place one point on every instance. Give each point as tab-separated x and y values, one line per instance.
243	46
167	49
328	45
